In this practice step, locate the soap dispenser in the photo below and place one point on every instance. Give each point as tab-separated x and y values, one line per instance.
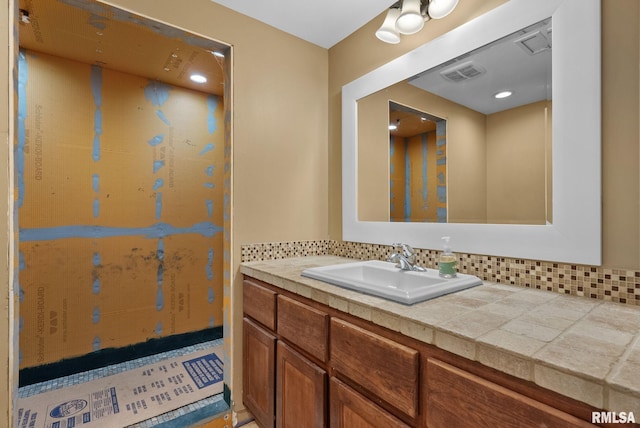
448	261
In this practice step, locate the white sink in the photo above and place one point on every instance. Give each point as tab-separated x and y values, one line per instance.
384	279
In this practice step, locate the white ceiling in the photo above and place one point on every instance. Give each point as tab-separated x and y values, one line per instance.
321	22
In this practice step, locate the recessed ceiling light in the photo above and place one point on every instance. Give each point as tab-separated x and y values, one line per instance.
198	78
218	54
393	127
503	94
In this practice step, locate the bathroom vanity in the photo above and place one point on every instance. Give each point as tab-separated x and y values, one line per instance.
318	355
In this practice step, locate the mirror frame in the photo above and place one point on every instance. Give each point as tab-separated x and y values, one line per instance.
575	234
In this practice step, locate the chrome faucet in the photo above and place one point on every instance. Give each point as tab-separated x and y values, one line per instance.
405	258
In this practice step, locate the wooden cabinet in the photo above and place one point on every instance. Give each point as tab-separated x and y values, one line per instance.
301	391
258	381
348	409
456	398
308	365
384	367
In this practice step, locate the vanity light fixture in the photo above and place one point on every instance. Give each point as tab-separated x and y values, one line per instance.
503	94
408	17
198	78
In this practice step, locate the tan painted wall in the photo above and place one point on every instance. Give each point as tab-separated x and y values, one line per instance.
268	64
516	165
362	52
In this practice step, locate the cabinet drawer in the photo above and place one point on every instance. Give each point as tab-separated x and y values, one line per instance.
259	303
456	398
386	368
303	326
348	409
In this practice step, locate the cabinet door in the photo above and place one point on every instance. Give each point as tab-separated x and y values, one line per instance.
348	409
301	391
386	368
259	355
456	398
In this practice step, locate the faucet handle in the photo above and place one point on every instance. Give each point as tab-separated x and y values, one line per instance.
406	249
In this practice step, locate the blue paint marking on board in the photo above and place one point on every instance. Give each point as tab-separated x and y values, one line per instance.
157	92
97	22
157	165
158	205
22	116
207	148
210	295
441	161
96	89
160	293
97	260
424	168
212	104
441	178
158	184
95	178
163	117
442	193
407	183
97	343
160	250
95	317
209	204
96	208
95	287
226	200
442	215
158	230
209	185
158	329
211	321
209	170
209	267
156	140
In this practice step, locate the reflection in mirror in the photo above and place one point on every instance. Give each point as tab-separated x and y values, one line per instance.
417	165
499	146
574	234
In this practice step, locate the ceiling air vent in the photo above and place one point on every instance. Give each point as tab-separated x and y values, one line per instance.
534	43
461	72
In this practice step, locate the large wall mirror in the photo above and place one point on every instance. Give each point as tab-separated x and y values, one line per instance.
522	175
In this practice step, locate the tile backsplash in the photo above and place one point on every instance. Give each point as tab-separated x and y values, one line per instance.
596	282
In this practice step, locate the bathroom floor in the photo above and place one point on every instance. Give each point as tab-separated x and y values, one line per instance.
200	410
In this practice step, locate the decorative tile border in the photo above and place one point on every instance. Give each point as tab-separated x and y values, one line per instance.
596	282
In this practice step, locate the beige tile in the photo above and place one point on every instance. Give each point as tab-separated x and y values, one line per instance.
512	342
532	330
625	376
488	293
548	319
506	362
360	311
456	345
572	386
586	356
435	313
417	331
384	319
475	323
622	401
339	303
616	317
601	331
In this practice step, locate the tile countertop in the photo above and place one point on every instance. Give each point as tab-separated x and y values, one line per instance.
583	348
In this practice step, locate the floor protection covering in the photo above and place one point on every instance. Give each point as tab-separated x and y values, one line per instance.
129	397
